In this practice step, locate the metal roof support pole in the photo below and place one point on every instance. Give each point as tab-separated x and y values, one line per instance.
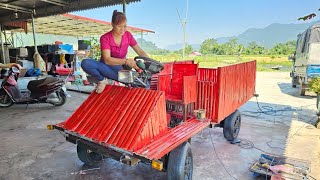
34	33
2	47
124	6
141	38
12	39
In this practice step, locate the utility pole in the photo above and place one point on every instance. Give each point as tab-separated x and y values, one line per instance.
184	25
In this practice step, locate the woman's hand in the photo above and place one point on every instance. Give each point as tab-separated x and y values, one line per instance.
132	63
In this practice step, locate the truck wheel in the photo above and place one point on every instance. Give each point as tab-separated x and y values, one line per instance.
293	82
87	156
180	163
302	91
231	126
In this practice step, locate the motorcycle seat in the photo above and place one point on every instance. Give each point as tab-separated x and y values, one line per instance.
34	85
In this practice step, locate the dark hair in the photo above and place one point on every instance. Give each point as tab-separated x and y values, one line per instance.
118	17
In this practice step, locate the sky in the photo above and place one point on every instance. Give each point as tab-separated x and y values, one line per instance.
206	18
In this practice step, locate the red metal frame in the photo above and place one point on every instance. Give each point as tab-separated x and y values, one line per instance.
135	120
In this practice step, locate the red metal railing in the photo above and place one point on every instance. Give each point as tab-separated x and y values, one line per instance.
206	87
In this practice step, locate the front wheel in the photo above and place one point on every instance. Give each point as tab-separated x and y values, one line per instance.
180	163
62	99
87	156
5	100
302	91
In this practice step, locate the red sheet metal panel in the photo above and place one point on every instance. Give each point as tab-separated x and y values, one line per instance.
189	89
178	72
236	85
167	70
120	116
164	83
172	139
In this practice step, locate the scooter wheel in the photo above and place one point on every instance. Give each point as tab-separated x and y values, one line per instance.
5	100
62	99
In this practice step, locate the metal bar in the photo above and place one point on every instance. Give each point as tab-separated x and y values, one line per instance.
15	8
34	33
124	6
141	39
2	47
56	2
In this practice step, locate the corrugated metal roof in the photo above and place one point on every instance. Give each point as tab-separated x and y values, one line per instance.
49	7
120	116
72	25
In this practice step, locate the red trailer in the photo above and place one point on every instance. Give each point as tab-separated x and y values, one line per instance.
155	125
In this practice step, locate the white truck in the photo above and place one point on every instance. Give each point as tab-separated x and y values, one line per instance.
306	59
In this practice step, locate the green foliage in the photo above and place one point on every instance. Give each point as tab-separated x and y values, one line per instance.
188	50
254	49
95	52
314	85
151	48
283	48
209	46
264	62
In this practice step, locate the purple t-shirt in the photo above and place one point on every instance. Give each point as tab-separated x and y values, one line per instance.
107	42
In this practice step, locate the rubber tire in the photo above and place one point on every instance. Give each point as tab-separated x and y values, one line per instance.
302	92
179	159
293	82
231	126
9	103
86	156
63	98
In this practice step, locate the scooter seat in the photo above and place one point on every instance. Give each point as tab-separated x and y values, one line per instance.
36	84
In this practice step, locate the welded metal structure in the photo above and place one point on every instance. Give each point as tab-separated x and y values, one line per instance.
18	10
148	124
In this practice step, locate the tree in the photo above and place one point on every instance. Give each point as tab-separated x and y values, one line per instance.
209	46
231	47
254	49
283	48
188	50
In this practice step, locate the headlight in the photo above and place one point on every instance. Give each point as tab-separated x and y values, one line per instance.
126	76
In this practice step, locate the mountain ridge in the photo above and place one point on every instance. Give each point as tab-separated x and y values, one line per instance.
267	37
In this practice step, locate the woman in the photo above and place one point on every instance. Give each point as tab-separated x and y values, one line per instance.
114	48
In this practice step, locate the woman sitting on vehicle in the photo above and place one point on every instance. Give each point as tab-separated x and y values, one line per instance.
114	48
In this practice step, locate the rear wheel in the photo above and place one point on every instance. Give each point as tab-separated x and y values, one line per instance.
180	163
231	126
293	82
5	100
87	156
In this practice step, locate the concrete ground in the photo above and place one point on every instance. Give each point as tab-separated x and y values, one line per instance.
29	151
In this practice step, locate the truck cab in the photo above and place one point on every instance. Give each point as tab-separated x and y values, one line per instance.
306	59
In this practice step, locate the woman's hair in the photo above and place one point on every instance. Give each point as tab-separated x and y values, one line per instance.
118	17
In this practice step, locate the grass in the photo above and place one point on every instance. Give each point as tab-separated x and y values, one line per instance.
264	63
